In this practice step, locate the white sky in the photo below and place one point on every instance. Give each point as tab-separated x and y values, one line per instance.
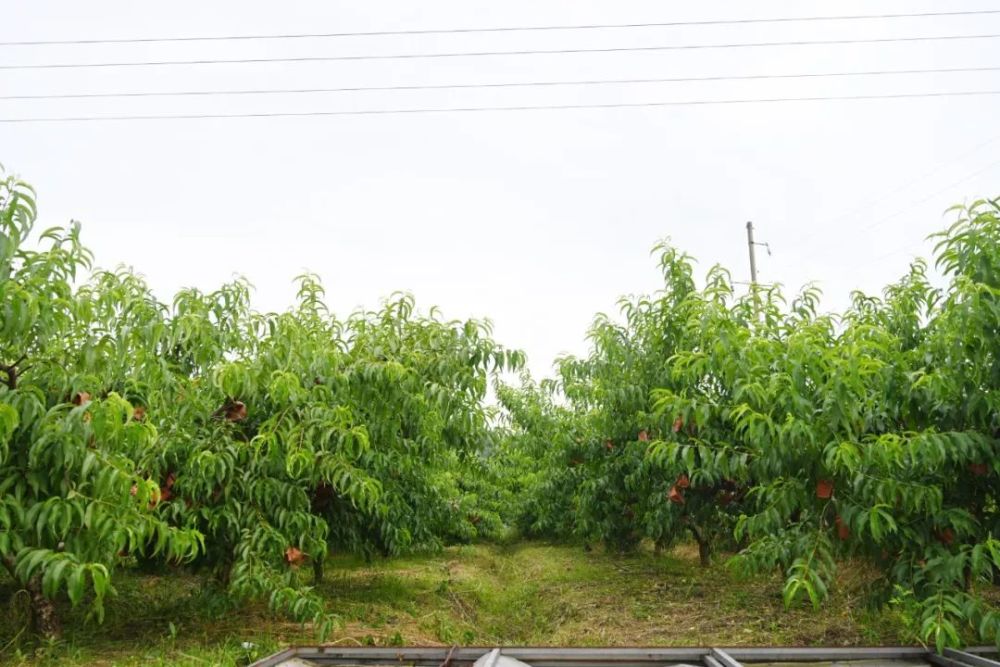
534	219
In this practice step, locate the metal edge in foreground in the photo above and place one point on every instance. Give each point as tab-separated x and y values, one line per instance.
622	657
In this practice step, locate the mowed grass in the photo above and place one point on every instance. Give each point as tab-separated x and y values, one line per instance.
527	593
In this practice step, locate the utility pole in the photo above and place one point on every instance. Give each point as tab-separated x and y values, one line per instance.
753	256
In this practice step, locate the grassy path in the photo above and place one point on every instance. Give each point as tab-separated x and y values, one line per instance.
528	593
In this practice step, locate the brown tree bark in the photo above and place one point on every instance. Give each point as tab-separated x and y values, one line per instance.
12	371
44	615
705	553
704	546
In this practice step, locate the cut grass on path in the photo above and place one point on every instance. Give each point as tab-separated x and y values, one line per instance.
524	594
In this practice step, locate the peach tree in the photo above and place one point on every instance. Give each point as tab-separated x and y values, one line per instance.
72	496
201	433
873	436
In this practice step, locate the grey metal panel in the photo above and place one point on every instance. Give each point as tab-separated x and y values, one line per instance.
598	657
603	657
970	658
433	656
605	662
710	661
384	655
447	658
536	656
942	661
491	659
724	657
820	654
275	659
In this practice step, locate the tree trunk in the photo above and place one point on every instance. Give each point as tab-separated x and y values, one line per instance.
704	546
224	572
44	617
317	570
704	553
661	545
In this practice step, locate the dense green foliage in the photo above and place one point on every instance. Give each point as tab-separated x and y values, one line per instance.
796	437
202	434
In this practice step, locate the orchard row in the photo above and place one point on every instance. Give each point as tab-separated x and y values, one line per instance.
791	438
202	434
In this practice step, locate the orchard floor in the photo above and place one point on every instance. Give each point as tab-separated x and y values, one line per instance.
527	593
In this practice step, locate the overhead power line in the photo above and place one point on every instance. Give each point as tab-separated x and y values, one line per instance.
881	221
910	206
448	31
811	236
547	107
503	84
476	54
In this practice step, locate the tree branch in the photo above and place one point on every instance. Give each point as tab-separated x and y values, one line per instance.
12	372
15	364
8	563
694	531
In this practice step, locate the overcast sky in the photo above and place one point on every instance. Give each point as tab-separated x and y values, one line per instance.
534	219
